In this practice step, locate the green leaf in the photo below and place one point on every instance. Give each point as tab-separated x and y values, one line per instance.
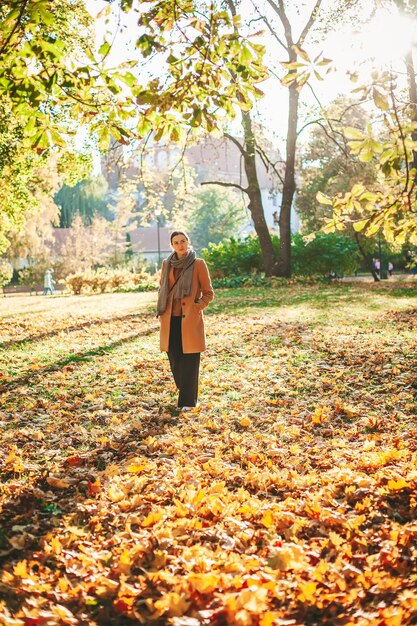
360	225
104	48
246	55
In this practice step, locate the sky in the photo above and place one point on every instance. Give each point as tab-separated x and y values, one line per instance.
381	43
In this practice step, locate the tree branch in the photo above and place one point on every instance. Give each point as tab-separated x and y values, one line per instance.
237	143
280	10
267	161
310	22
15	27
224	184
269	27
328	135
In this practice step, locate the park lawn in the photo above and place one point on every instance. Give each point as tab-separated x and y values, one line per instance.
287	497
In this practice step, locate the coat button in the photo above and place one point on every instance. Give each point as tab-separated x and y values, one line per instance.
183	315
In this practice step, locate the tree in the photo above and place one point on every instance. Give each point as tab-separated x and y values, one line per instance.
87	197
85	246
53	87
390	144
51	77
166	193
299	68
32	238
216	215
6	272
250	147
328	168
39	67
327	165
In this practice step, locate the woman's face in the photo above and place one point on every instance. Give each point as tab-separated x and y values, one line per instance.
180	245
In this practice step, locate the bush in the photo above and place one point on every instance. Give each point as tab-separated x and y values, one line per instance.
6	272
235	256
324	254
242	257
110	280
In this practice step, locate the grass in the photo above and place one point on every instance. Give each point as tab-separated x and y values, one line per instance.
288	495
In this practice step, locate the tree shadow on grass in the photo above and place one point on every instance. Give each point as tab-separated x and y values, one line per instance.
319	297
75	327
80	357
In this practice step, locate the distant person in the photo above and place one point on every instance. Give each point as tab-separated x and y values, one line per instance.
48	283
377	266
185	290
390	268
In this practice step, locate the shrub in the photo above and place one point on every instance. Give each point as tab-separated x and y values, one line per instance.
324	254
6	272
76	282
33	274
110	280
235	256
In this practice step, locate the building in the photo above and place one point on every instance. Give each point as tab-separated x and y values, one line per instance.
214	160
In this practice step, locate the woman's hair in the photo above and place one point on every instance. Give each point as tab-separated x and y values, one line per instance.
178	232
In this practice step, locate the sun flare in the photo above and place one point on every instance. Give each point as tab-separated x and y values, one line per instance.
387	37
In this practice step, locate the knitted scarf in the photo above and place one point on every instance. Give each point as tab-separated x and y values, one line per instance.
183	285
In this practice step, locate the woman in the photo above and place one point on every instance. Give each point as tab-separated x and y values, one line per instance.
185	290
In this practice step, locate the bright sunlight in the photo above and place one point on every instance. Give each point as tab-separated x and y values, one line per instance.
387	37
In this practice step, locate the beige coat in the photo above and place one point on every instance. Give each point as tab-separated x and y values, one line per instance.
193	335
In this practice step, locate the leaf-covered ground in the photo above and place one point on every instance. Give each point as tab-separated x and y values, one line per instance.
288	497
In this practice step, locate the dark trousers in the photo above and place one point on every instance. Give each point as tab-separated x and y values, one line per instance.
184	367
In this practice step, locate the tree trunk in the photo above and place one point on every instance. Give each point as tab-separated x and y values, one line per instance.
288	189
255	198
366	258
412	91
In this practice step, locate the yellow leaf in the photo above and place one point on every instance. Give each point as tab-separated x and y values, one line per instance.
64	614
307	591
269	618
290	556
245	422
350	411
396	485
125	562
215	505
253	599
267	519
63	584
136	468
20	569
75	530
204	583
115	494
321	413
320	197
151	519
55	545
172	603
181	510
